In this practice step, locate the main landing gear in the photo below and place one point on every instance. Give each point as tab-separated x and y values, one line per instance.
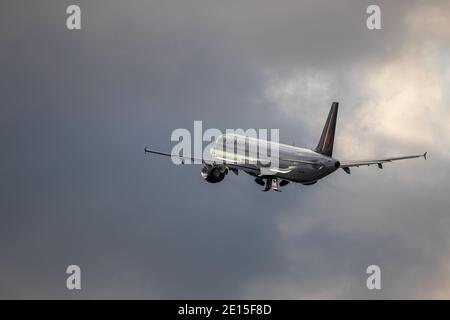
271	183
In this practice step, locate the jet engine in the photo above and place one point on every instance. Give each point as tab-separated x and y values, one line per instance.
214	173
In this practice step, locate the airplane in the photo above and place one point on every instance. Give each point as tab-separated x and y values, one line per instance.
294	164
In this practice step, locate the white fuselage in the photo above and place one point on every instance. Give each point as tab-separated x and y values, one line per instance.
266	158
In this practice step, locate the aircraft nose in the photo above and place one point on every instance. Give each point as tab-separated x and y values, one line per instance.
337	164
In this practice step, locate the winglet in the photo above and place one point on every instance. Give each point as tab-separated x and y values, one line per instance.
425	155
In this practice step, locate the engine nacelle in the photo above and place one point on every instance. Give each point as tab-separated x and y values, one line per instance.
214	173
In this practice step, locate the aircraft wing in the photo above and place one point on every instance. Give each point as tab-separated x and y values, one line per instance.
182	158
357	163
232	165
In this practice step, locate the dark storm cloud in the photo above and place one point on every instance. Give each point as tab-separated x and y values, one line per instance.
78	108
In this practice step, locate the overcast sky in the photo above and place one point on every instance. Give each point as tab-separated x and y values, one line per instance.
78	107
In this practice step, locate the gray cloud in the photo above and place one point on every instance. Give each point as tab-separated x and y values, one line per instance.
78	107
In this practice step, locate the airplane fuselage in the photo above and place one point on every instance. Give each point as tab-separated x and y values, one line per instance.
293	163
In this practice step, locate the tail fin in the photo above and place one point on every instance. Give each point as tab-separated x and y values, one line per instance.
326	141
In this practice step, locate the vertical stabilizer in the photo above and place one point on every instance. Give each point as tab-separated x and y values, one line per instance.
326	141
